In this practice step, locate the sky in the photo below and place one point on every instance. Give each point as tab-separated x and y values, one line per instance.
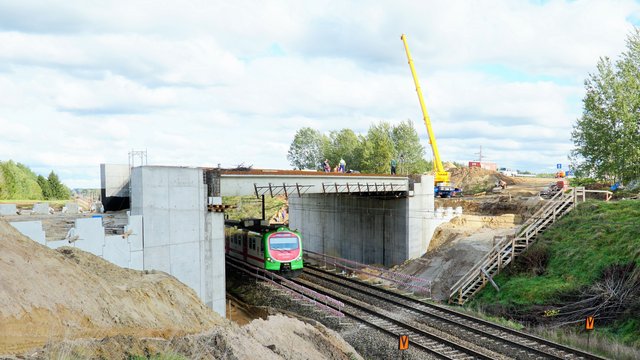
204	82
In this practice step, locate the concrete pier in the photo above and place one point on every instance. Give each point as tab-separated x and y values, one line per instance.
180	236
367	229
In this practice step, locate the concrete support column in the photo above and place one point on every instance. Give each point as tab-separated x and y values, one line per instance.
365	229
180	236
421	223
213	278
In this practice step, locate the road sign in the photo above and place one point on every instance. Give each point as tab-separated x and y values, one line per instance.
588	325
403	342
559	166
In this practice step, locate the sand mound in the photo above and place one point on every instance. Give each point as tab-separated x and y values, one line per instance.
65	303
48	295
474	179
466	225
278	337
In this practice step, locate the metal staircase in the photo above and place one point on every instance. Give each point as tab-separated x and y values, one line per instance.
505	251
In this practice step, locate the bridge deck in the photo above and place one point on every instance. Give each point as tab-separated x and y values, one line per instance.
298	183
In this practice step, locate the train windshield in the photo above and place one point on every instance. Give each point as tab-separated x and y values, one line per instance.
283	241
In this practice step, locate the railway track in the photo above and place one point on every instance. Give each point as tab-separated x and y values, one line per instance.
460	335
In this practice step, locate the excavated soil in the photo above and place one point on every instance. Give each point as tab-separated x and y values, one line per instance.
455	247
477	181
66	303
458	245
66	293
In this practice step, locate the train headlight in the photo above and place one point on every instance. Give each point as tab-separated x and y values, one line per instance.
269	259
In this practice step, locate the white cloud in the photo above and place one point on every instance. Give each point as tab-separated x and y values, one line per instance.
202	83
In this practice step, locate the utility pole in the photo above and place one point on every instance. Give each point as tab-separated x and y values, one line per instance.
480	154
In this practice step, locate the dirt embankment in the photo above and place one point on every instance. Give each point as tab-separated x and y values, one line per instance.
474	179
456	246
51	295
66	303
494	205
468	225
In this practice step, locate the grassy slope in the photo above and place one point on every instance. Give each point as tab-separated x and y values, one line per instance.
251	207
580	245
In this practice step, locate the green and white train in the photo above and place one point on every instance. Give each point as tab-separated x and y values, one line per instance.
278	250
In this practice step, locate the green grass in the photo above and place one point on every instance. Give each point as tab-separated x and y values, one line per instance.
582	244
591	238
249	207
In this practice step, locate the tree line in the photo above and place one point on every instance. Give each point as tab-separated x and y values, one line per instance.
607	136
367	153
18	182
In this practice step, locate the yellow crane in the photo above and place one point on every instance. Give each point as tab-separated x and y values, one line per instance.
442	178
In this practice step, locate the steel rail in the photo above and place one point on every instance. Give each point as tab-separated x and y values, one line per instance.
453	313
425	341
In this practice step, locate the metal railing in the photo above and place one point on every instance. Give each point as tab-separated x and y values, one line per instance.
505	251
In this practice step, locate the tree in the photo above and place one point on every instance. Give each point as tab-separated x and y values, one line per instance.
306	149
18	182
378	149
57	189
44	185
344	144
408	150
607	136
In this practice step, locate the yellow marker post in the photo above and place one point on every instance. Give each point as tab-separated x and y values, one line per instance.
403	342
589	323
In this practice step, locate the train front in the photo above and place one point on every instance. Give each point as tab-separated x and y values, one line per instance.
284	251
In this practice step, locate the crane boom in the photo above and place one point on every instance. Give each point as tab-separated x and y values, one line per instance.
441	175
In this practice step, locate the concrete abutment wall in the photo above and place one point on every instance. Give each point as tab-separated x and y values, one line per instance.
180	236
371	230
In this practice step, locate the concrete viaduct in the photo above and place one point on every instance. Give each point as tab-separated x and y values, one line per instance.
375	219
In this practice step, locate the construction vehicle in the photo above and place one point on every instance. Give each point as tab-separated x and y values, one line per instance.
554	188
442	184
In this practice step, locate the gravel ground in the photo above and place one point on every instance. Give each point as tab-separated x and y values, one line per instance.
368	342
437	328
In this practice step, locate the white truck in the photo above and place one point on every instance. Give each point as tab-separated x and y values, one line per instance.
508	172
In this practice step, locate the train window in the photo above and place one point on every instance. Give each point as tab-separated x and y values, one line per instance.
283	241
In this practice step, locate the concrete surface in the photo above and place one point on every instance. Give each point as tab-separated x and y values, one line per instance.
114	179
312	183
180	236
40	208
90	235
367	229
31	229
114	186
8	209
72	208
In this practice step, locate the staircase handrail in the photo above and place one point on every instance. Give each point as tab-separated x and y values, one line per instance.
532	222
537	215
